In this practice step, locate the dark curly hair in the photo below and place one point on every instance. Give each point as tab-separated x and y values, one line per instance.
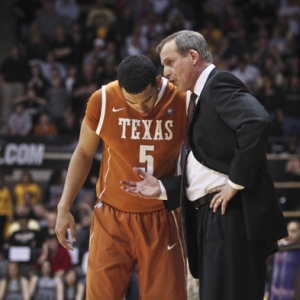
135	73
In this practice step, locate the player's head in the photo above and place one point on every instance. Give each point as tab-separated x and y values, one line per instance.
139	83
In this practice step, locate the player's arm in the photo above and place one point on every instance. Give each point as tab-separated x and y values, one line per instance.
78	170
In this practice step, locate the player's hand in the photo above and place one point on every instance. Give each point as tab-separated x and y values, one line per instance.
147	188
223	196
64	221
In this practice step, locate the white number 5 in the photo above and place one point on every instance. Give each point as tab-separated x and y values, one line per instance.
146	158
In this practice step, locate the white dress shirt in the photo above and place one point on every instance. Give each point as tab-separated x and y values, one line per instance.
201	179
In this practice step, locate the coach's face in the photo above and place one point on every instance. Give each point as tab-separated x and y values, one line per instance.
180	70
144	101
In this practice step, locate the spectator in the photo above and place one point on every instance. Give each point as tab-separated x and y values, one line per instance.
49	19
274	66
62	47
26	11
227	53
286	265
97	56
100	9
40	214
112	53
135	43
25	237
49	64
47	230
19	121
21	213
3	265
54	188
36	81
122	27
14	285
14	71
36	45
270	96
293	66
89	185
178	22
292	174
261	51
44	285
27	199
247	73
45	127
25	184
84	207
58	100
14	68
84	7
69	124
32	104
58	256
68	9
291	11
83	235
82	89
109	72
70	80
261	15
74	287
6	209
212	34
76	35
176	7
230	18
291	109
279	39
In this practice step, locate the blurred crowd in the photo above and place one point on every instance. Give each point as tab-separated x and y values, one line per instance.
33	265
67	49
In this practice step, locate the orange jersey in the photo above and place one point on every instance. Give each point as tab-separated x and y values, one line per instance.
131	140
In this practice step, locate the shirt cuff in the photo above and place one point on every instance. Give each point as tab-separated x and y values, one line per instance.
235	186
163	195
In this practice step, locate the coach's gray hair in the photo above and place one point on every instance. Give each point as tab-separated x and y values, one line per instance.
186	40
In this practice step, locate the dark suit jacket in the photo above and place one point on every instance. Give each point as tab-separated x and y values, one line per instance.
228	134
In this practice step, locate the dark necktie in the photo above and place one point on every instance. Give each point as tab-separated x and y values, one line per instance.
184	150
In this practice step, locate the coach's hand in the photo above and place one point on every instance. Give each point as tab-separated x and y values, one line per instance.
223	196
147	188
64	221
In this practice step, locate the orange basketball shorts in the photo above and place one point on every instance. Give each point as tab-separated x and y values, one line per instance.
152	241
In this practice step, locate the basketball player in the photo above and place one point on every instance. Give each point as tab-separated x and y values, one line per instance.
140	120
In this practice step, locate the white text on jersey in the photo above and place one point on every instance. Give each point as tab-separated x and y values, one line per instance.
162	131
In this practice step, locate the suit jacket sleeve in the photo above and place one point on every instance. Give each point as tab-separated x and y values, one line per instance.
172	186
247	119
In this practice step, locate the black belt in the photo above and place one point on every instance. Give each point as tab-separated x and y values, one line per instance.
203	200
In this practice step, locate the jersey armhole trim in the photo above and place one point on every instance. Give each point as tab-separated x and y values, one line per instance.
103	108
188	97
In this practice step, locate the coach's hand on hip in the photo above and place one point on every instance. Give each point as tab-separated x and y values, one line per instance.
223	196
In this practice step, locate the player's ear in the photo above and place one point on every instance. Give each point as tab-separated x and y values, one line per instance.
158	82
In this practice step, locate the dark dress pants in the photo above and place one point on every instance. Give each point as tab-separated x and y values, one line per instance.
230	266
